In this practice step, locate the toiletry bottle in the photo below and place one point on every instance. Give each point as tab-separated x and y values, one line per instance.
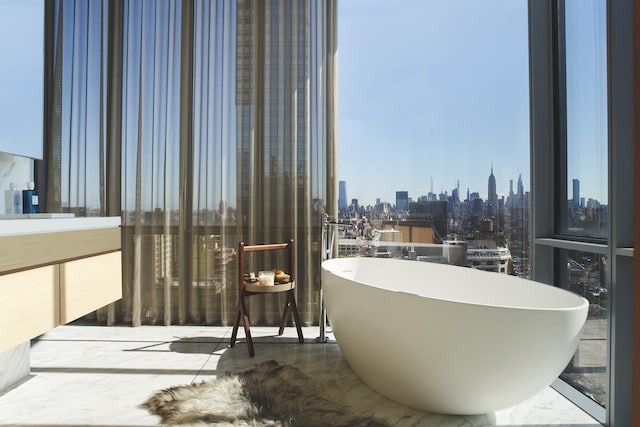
13	200
30	202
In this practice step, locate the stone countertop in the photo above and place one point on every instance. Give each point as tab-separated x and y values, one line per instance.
37	225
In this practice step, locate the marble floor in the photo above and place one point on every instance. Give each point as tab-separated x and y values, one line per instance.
97	376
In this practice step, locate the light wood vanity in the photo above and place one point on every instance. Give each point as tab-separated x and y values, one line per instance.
53	271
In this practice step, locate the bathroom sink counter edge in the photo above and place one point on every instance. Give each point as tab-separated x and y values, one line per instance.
10	226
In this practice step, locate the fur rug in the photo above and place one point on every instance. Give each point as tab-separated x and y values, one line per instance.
267	395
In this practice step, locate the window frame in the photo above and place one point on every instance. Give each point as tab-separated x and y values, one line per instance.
547	128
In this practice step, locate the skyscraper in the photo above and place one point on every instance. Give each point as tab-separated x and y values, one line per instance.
455	196
277	80
520	194
402	201
492	199
355	205
342	196
576	194
520	187
285	75
511	199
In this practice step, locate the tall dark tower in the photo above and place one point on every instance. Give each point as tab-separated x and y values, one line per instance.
402	201
270	159
492	199
342	196
576	194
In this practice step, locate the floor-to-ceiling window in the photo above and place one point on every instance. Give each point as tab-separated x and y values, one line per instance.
581	170
581	212
582	97
434	131
202	123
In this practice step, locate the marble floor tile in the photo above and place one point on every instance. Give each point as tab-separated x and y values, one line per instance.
97	376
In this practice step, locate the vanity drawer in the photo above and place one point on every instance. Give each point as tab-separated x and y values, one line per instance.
28	304
89	284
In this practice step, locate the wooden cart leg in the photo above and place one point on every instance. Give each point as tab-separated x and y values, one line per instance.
236	324
296	316
285	316
247	332
244	315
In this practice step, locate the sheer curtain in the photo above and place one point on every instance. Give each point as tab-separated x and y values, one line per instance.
202	124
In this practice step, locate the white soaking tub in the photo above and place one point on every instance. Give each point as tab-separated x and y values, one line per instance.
449	339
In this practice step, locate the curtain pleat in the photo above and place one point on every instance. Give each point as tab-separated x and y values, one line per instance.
203	124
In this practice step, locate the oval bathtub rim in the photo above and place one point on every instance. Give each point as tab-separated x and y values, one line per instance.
578	307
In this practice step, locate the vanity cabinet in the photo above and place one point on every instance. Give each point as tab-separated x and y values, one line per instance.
28	304
88	284
49	277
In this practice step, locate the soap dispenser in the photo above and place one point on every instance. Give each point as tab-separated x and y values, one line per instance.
30	203
13	200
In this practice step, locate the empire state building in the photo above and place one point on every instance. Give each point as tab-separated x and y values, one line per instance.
492	199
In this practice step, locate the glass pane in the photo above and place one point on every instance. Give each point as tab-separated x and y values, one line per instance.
584	210
585	274
434	132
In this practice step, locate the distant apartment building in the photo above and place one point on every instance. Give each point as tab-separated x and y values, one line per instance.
432	213
494	259
402	201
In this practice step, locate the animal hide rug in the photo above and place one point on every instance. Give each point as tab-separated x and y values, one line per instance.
268	395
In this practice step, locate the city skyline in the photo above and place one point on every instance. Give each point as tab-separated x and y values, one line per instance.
446	97
483	192
512	186
443	99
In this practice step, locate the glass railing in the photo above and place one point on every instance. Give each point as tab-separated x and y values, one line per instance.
483	253
585	274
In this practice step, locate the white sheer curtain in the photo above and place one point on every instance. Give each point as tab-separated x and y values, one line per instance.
203	124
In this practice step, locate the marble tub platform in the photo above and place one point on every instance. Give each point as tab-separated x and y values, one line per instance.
94	375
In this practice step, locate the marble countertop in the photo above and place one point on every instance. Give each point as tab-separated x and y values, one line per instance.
37	216
38	224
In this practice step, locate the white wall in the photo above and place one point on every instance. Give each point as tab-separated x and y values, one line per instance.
18	170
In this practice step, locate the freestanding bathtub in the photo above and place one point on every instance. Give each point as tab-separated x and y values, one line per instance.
448	339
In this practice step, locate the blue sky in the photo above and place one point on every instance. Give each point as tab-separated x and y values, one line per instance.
433	89
438	90
586	91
